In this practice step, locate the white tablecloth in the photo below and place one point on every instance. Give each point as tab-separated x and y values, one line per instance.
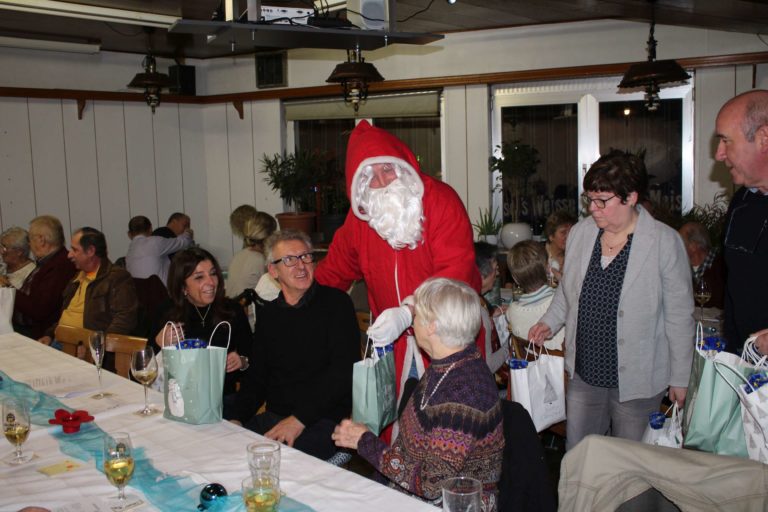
206	453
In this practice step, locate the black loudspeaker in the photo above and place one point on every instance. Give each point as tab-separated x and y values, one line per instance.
271	69
183	78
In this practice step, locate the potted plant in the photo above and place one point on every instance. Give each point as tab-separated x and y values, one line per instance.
294	176
333	203
487	226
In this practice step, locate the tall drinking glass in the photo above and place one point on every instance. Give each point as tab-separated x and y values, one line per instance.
261	491
16	428
118	465
97	344
144	370
461	494
702	294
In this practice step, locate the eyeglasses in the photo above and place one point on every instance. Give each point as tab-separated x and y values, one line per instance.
290	261
749	230
600	203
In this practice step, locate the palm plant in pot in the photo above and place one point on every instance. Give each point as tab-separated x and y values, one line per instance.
294	176
487	226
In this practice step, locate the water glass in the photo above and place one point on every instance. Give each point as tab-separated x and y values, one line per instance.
461	494
264	488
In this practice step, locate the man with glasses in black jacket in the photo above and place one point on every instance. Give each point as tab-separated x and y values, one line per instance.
742	130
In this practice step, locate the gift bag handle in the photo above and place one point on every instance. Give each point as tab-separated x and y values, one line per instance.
229	337
175	331
717	364
751	355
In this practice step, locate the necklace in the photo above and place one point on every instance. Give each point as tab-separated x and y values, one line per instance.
202	317
424	402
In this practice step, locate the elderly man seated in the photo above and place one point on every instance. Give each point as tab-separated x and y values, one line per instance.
14	248
305	344
706	262
102	296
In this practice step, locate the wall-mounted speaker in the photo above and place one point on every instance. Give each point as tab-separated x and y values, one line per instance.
271	69
183	78
369	14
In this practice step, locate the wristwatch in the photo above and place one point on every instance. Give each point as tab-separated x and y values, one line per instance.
245	362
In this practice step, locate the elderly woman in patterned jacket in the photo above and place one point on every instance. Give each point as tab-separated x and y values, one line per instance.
626	301
452	423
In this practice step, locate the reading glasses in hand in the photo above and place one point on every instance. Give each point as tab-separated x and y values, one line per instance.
290	261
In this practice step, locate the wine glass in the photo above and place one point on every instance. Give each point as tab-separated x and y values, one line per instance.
118	465
97	345
144	370
702	295
16	428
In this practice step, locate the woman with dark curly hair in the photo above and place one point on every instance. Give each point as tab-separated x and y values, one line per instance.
197	306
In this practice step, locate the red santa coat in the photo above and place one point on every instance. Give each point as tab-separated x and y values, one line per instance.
358	252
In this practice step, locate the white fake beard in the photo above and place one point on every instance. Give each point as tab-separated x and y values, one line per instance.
395	214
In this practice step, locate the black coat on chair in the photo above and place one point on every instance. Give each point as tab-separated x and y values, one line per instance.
525	483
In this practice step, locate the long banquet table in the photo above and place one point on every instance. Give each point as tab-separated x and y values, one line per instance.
193	453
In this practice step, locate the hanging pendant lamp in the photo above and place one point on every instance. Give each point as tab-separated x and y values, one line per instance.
151	81
354	77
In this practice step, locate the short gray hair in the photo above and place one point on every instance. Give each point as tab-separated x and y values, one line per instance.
285	235
49	227
755	116
16	238
454	307
697	234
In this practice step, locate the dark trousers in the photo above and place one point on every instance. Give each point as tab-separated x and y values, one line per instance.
315	440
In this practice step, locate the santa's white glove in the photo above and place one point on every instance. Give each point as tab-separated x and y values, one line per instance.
389	325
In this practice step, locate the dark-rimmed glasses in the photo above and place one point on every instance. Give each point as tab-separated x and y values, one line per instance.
600	203
750	230
290	261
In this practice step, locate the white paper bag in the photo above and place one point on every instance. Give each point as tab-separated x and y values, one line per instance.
670	434
7	297
540	388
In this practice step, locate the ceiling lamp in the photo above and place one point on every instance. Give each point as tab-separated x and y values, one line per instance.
354	77
151	81
652	73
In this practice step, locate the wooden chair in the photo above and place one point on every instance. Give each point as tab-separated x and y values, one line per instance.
74	341
519	349
123	346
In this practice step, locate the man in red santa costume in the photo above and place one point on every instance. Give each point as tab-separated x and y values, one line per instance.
403	227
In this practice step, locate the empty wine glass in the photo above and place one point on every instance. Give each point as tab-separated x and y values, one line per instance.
702	294
118	465
16	428
97	345
144	370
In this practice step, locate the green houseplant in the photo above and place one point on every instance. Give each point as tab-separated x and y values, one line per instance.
487	226
295	176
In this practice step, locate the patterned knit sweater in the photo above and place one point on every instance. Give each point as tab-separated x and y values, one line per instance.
450	429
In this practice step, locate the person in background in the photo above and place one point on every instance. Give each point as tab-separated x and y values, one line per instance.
496	353
38	302
627	305
14	249
177	224
706	261
306	343
197	305
148	255
249	264
452	423
742	128
404	227
527	262
556	229
238	218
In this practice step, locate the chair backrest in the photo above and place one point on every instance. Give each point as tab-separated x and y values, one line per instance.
73	337
123	346
525	483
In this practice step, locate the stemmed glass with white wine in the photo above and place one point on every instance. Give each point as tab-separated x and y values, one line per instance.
144	370
97	344
702	294
118	465
16	428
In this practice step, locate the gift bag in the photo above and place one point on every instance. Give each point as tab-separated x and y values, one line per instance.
194	381
7	297
539	386
712	417
373	389
753	395
663	431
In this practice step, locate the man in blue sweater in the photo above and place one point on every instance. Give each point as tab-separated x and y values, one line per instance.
305	344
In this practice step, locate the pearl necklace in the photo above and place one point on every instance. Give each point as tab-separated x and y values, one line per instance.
202	317
424	402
